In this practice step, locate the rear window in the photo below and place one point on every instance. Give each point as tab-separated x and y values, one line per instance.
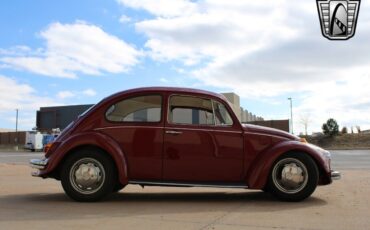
136	109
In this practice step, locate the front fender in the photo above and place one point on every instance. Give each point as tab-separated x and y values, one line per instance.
96	139
258	174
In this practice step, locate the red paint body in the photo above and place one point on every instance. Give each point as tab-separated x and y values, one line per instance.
143	151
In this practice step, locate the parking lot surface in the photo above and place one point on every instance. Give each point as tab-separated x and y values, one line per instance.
34	203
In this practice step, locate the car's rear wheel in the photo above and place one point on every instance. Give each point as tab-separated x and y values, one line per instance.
293	177
88	175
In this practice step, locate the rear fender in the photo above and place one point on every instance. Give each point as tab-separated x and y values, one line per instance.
258	174
92	139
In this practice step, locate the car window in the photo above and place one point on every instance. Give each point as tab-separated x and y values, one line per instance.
136	109
222	116
191	110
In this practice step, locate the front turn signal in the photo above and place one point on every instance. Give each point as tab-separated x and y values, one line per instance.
47	147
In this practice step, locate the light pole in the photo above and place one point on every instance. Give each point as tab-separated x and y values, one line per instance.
291	113
16	130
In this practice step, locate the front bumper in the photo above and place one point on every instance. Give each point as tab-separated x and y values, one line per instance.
335	175
38	164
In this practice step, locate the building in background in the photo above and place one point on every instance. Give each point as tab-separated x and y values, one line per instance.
243	115
234	100
58	117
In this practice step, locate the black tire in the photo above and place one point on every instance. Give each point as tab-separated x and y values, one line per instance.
102	179
266	189
118	187
289	190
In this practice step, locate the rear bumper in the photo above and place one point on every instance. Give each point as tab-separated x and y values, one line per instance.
335	175
39	164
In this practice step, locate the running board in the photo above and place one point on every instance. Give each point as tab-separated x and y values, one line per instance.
185	184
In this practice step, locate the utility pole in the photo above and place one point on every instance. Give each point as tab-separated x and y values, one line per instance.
16	130
291	113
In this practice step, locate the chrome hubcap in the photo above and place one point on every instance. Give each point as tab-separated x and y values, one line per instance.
87	175
290	175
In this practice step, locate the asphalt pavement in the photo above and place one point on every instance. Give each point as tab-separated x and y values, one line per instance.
32	203
341	159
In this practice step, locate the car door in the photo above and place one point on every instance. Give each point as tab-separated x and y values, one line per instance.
136	123
199	145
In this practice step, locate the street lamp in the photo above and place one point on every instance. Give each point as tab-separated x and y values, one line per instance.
16	130
291	113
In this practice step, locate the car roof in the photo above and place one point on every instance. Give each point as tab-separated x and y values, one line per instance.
170	89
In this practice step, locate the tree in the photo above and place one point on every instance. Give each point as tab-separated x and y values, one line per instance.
331	127
344	130
305	120
358	129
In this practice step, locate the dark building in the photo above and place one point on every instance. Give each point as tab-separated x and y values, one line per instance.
48	118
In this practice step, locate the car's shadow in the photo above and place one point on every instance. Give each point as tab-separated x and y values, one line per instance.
59	206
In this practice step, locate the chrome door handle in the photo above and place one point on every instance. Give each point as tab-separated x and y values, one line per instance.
173	132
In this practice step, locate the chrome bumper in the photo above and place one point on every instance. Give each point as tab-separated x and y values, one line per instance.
335	175
38	163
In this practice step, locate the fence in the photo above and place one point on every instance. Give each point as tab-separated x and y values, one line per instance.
10	138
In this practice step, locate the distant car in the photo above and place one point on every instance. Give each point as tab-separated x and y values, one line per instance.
178	137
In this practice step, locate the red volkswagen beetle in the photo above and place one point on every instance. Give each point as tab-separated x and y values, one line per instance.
178	137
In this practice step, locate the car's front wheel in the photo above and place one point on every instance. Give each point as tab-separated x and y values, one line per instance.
294	177
88	175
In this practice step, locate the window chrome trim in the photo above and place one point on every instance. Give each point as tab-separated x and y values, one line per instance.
220	125
134	96
201	97
185	95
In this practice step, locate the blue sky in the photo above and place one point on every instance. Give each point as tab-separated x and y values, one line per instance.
78	52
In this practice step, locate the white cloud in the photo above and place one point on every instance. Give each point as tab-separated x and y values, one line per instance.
72	49
163	80
165	8
124	19
264	49
16	95
65	94
214	30
346	101
89	92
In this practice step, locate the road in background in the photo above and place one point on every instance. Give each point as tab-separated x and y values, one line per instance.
350	159
19	157
341	159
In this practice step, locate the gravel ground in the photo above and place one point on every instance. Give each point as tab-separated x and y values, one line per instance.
33	203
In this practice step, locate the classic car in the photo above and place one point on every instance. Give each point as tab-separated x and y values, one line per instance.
164	136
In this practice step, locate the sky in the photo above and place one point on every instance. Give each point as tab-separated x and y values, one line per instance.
78	52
